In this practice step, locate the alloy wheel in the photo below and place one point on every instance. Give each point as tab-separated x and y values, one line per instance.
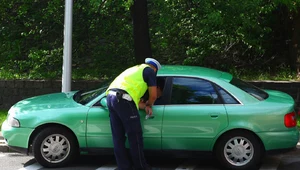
238	151
55	148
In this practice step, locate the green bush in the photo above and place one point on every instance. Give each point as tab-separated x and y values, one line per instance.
3	114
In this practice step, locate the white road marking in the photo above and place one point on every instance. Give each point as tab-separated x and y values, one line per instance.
298	145
108	167
2	155
34	166
188	165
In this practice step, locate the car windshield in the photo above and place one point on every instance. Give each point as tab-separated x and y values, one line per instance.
250	89
84	97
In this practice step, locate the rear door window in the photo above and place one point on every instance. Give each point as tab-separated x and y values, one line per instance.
187	90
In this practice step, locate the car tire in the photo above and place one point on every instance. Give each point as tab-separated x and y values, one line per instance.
239	150
54	147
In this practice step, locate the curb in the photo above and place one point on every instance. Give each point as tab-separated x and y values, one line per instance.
3	145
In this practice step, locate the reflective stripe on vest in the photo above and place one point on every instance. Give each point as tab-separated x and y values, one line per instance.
132	81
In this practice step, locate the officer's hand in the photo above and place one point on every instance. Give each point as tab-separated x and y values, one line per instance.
142	105
148	110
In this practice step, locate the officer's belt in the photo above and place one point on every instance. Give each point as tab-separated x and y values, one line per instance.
124	95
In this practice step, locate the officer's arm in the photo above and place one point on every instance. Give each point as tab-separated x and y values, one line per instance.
152	95
142	104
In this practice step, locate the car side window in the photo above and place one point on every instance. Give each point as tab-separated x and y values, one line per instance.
227	98
193	91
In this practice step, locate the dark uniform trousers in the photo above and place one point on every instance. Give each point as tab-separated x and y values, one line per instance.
125	118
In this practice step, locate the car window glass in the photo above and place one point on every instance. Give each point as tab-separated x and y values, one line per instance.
85	96
250	89
193	91
227	98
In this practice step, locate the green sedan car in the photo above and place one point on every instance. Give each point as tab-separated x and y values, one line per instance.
201	110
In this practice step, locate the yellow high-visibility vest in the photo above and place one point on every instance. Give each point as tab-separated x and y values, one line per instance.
131	80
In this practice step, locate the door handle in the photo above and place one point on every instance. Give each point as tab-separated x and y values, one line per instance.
214	115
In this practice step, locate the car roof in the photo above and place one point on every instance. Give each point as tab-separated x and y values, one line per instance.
193	71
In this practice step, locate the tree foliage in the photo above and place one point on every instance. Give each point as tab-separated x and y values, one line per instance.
32	38
228	35
223	34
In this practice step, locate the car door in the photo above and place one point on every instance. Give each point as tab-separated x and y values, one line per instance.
99	130
152	128
194	115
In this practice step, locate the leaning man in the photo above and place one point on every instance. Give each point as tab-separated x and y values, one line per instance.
123	101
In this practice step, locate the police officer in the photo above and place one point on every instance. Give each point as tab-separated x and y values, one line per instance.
123	101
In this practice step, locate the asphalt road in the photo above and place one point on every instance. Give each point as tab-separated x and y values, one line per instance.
16	161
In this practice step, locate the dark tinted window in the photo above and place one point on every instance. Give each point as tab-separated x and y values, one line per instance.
250	89
83	97
227	98
193	91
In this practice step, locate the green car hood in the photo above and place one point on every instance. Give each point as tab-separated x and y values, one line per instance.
44	102
280	97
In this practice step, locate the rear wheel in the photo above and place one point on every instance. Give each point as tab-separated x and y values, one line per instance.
54	147
239	150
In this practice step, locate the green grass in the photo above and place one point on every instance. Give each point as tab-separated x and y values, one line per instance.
3	114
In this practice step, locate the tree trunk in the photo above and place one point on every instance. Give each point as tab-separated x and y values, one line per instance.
142	46
295	40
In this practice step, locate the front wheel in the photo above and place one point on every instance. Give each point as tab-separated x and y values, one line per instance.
54	147
239	150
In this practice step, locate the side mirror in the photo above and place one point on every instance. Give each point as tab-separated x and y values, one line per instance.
103	102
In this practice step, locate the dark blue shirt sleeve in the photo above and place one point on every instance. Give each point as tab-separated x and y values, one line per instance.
149	76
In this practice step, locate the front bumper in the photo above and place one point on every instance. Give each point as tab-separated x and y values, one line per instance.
16	137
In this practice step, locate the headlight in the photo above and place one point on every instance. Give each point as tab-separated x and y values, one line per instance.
11	121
